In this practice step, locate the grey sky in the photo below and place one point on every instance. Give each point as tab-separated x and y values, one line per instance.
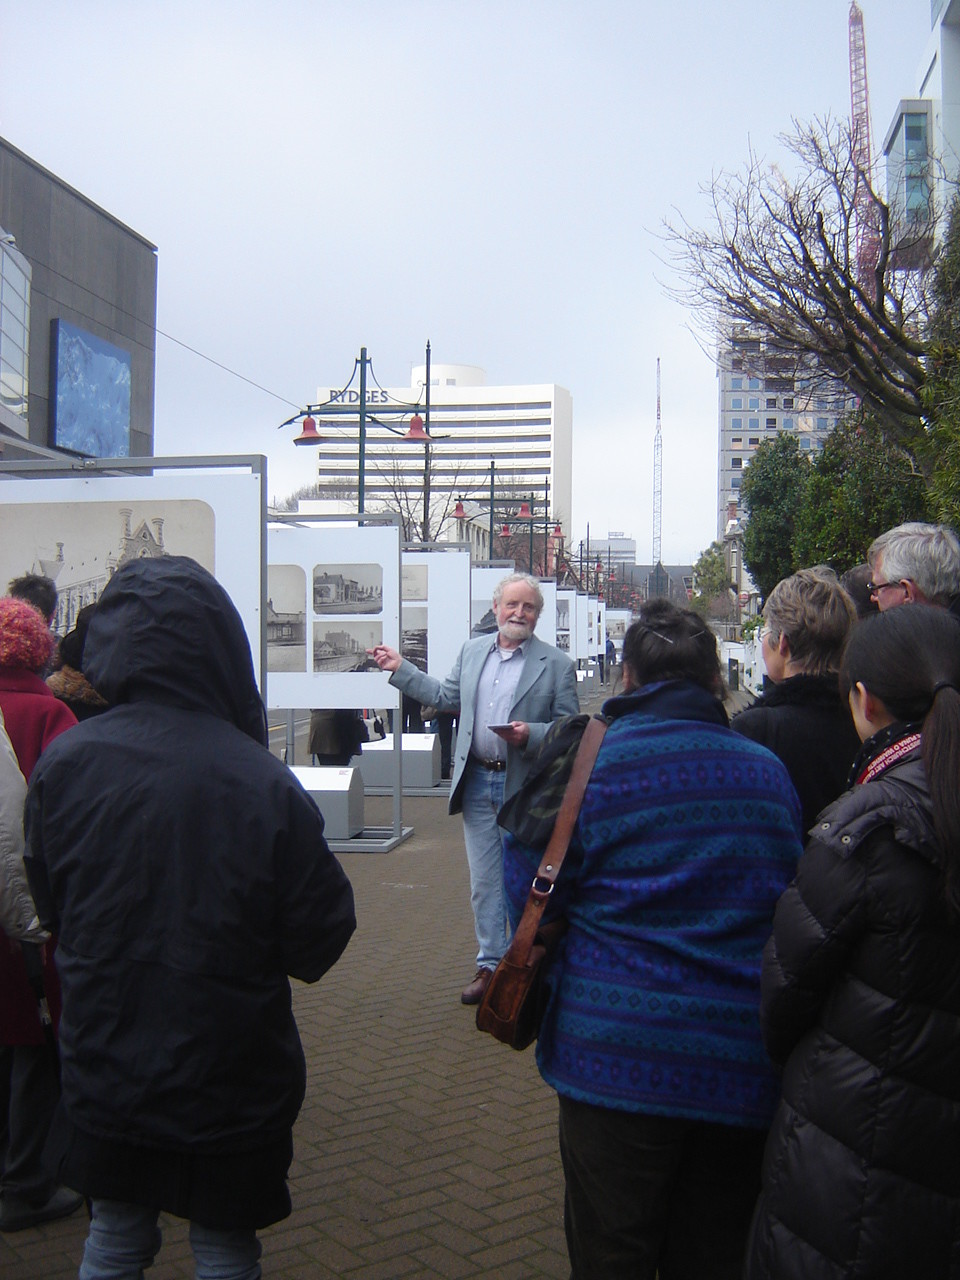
324	175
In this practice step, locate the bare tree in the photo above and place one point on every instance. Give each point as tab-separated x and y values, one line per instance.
780	255
399	484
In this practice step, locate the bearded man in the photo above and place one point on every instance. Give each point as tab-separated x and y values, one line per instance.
507	688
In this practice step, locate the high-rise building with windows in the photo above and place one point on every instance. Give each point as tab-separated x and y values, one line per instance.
766	388
922	144
525	431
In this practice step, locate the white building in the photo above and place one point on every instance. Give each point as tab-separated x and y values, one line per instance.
525	431
764	389
922	144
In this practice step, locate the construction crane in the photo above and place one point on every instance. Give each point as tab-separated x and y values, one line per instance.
868	235
657	480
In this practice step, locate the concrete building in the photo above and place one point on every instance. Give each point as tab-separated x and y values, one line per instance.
78	310
922	145
765	389
525	431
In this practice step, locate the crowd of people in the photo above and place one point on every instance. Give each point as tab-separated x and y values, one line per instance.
753	1023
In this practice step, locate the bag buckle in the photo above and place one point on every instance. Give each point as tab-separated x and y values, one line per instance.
541	886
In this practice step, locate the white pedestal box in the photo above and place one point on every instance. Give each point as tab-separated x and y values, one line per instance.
421	762
339	797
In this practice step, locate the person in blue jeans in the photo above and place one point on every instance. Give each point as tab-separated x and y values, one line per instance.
186	873
507	687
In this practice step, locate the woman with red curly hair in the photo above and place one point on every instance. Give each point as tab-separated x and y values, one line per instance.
29	1085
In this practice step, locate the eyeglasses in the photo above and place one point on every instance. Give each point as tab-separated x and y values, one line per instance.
874	588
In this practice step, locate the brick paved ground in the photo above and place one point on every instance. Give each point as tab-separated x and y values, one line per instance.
424	1149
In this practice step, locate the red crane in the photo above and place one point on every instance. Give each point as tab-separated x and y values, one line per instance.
868	235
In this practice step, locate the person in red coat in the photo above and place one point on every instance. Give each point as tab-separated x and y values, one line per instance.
29	1082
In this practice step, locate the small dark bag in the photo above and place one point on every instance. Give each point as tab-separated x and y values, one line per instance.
514	1003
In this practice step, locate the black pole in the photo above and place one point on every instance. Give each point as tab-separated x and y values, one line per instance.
426	458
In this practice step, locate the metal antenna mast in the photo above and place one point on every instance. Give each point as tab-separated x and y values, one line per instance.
657	479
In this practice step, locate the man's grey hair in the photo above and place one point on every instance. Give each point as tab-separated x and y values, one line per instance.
927	554
510	579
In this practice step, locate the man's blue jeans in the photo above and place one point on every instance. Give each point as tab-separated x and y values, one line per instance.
482	801
124	1239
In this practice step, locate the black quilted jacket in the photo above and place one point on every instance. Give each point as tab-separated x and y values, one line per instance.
861	1001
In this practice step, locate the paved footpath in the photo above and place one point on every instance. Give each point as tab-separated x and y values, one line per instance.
424	1149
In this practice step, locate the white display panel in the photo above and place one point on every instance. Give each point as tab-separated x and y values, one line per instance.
79	530
483	582
617	621
547	622
333	592
566	614
434	607
602	627
583	636
593	622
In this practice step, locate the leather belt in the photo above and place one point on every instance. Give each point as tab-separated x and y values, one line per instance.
495	766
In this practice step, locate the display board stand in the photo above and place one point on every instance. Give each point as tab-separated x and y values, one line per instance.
358	555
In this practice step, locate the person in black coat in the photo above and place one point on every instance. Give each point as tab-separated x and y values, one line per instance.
186	873
801	716
861	987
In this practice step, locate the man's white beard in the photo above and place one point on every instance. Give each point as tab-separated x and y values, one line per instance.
515	630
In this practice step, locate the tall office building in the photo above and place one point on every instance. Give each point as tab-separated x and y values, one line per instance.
765	389
525	431
922	144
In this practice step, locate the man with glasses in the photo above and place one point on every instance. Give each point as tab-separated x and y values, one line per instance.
507	687
915	564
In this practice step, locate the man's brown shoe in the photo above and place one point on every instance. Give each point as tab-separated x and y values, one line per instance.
474	993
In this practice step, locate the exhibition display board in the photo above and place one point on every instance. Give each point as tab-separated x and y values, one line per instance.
78	522
566	621
434	607
333	592
582	616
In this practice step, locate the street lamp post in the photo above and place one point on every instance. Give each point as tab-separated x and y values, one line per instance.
334	409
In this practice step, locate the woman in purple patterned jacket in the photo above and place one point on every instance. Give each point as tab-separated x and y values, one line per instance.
687	836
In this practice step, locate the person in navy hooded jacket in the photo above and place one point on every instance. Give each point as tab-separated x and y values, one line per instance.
186	873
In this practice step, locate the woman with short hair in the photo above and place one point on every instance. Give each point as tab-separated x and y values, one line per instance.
686	837
801	717
861	986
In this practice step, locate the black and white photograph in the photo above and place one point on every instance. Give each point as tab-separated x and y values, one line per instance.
563	614
347	588
342	646
413	638
286	618
484	620
563	641
413	582
80	545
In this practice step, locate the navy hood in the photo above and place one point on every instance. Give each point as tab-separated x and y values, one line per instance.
165	631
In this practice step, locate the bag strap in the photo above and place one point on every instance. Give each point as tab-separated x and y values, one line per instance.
559	843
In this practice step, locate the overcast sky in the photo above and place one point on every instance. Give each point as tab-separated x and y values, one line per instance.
320	176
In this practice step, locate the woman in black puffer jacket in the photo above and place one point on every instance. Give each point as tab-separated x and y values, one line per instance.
861	987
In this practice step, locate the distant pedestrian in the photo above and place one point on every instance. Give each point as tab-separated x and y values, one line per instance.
186	873
38	590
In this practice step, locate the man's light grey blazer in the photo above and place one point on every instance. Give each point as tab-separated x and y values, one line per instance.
547	691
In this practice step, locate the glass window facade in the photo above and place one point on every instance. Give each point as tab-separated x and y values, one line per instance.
14	330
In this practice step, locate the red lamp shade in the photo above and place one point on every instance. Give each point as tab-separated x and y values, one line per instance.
558	530
458	511
524	512
415	431
505	531
309	433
